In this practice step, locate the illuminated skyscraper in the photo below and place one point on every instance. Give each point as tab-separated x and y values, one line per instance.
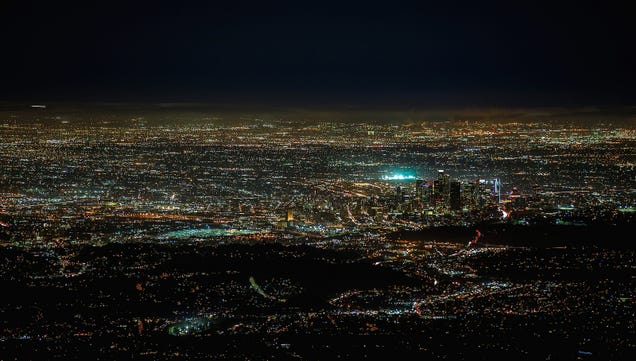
497	189
422	191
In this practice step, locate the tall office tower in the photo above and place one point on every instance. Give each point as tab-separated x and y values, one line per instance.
419	184
441	189
497	189
471	194
455	194
476	193
290	215
422	192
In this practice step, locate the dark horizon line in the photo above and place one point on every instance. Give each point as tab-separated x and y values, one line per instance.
332	112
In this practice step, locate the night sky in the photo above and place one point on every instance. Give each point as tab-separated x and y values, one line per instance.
396	53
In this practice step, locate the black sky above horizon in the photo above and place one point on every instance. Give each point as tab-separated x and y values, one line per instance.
411	53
